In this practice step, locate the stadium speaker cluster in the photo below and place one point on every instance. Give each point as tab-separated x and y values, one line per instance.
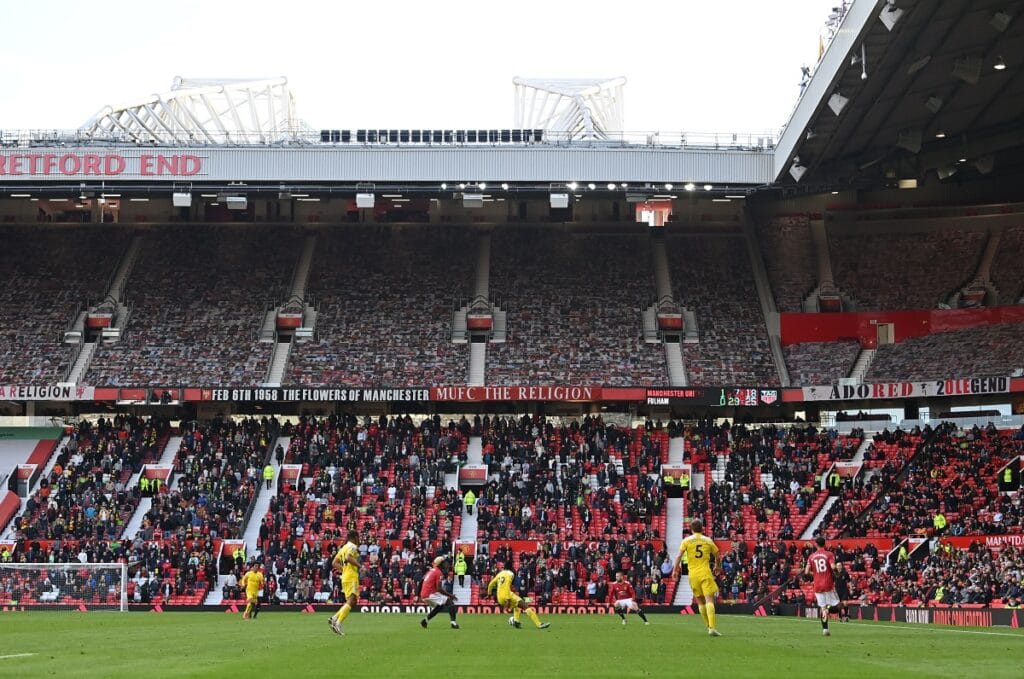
432	136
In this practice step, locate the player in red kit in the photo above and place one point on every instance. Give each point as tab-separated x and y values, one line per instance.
431	592
821	564
623	598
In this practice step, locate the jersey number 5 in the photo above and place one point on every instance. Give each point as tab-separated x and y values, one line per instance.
698	551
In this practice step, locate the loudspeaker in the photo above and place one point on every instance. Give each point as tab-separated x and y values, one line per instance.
559	200
364	200
181	199
237	202
472	200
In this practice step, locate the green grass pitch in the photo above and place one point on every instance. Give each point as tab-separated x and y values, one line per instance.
282	644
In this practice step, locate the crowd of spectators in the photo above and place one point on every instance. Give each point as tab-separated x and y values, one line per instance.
713	276
1005	271
879	573
85	495
49	273
574	572
820	363
772	482
386	298
574	306
903	271
987	350
218	469
199	295
789	259
383	477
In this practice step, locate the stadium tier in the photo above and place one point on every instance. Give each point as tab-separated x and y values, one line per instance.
574	304
198	296
385	300
51	273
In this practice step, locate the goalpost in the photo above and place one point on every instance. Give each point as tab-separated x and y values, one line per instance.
65	586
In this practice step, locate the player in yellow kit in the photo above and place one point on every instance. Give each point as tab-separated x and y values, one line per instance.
510	601
347	562
703	562
253	583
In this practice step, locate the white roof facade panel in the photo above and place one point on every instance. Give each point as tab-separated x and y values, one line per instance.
384	164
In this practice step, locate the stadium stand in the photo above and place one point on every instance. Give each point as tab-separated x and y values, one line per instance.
987	350
788	252
904	270
384	478
199	296
812	363
712	275
50	272
386	298
1005	274
567	327
85	496
771	487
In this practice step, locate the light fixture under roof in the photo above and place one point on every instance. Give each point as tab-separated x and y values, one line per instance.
668	187
1000	65
1000	21
504	186
611	186
690	186
940	135
482	185
708	187
443	186
591	186
890	15
572	186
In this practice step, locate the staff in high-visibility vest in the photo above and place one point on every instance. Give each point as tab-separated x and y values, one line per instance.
460	567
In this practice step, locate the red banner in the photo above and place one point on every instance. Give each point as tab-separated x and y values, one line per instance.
556	393
863	325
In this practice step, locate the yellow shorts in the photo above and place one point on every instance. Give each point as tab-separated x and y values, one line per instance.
252	597
703	585
350	586
510	601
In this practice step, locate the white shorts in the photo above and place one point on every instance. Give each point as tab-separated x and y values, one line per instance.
437	598
827	598
627	604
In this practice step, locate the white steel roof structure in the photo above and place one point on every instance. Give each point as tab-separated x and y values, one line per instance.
587	108
197	111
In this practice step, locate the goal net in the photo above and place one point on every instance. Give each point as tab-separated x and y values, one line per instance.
64	586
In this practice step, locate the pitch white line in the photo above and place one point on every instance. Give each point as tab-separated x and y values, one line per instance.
885	625
17	655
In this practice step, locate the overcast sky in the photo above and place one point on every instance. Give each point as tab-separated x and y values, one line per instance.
696	66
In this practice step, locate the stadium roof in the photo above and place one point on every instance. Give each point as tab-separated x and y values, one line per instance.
911	88
587	108
205	111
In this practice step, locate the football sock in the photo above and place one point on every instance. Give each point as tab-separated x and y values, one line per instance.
709	608
256	609
451	612
640	612
622	615
434	611
516	613
704	614
342	613
824	616
533	616
248	610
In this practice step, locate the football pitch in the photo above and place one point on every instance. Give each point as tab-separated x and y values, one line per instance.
283	644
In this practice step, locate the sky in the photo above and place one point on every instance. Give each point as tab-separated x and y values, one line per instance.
694	66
